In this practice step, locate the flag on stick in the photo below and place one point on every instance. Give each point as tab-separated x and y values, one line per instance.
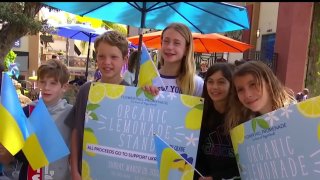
168	158
148	73
13	130
45	144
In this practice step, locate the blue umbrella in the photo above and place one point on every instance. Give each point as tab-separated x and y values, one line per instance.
202	17
81	32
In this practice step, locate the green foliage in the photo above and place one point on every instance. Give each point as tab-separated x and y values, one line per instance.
313	71
17	13
117	27
10	58
18	19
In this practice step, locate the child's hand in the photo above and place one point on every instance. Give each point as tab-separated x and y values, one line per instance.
5	156
151	89
76	176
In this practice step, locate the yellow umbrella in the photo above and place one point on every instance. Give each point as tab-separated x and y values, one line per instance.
33	78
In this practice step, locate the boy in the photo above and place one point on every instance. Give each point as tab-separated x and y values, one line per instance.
302	96
111	53
53	77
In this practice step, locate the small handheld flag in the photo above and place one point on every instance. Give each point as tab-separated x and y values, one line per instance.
13	130
168	157
148	73
45	144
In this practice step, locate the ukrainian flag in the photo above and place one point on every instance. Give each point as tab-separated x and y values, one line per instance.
13	130
169	160
148	73
45	144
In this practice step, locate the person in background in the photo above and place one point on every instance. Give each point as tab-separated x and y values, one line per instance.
204	68
215	157
239	62
178	71
97	75
55	57
129	75
256	91
303	95
112	53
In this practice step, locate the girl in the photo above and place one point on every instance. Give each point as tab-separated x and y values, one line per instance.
129	75
257	91
215	158
177	70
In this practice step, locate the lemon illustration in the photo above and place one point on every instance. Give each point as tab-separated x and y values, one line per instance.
318	132
310	108
85	170
89	138
147	73
190	101
96	93
237	136
114	91
193	119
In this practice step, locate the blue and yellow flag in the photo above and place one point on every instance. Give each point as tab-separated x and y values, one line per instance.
148	73
13	129
170	160
45	144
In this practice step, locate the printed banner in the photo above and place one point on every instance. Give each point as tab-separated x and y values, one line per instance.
119	127
283	144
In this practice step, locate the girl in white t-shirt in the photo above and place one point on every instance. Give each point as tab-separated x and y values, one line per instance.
178	71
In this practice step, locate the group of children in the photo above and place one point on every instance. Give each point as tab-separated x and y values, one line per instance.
233	95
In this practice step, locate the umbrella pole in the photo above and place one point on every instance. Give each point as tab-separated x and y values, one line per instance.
143	17
135	82
87	64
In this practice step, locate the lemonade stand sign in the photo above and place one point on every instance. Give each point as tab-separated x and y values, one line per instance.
283	144
118	136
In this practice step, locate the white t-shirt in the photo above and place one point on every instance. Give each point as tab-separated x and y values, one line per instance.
129	77
170	83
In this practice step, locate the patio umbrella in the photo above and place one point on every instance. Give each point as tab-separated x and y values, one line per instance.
81	32
202	17
205	43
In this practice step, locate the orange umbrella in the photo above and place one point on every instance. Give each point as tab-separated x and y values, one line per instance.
205	43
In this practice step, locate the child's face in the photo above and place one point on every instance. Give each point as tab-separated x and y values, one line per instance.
218	87
51	90
110	62
251	95
173	46
203	67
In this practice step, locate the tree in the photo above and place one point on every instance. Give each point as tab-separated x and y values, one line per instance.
17	19
313	68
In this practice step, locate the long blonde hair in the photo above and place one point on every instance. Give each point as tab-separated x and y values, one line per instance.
280	95
185	79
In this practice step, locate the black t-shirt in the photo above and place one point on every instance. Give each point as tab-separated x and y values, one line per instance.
215	153
202	74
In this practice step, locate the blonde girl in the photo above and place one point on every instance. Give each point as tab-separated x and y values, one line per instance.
178	71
